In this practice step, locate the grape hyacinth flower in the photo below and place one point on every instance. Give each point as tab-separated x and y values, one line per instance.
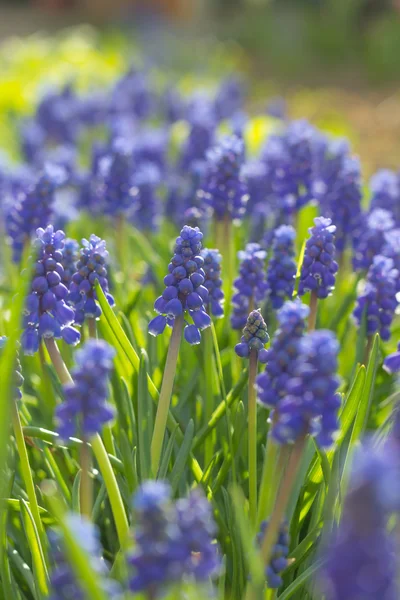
255	336
184	293
147	203
172	541
392	361
69	259
391	249
311	404
184	288
378	299
32	207
282	266
283	353
91	267
116	191
338	188
360	560
224	189
213	282
64	585
372	238
85	411
279	557
250	286
200	138
385	192
47	314
18	379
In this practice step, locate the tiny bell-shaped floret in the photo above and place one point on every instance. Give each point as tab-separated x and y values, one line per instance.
255	336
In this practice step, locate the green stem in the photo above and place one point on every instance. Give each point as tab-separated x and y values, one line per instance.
209	392
282	501
92	328
165	395
368	347
26	472
312	319
86	489
229	260
114	494
269	480
252	436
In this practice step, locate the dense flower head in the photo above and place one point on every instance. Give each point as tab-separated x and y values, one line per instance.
200	138
229	98
150	146
172	540
372	238
64	584
251	285
224	189
391	249
290	159
392	361
213	281
184	288
338	188
85	410
378	298
147	202
172	105
310	403
385	192
91	267
46	313
69	259
115	168
282	355
319	266
32	207
132	95
255	336
57	115
282	266
360	560
279	556
18	379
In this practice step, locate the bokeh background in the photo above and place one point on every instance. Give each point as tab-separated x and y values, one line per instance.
335	62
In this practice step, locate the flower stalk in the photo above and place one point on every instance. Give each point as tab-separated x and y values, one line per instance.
252	436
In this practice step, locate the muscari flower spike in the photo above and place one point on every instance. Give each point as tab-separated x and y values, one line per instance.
392	361
64	584
391	249
319	266
385	192
378	299
18	379
147	210
85	409
255	336
46	313
279	557
360	560
310	403
172	541
213	281
224	188
115	169
184	288
250	286
372	238
282	355
91	267
282	267
70	254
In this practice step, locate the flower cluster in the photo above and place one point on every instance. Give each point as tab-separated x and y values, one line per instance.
224	189
310	403
282	267
279	557
319	266
18	379
213	281
32	207
69	259
282	355
391	249
385	192
372	239
63	581
392	362
171	540
255	336
251	285
201	137
91	267
378	299
85	410
184	288
115	186
360	560
147	203
47	315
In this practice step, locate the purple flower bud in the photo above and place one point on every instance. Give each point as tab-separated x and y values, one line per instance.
192	334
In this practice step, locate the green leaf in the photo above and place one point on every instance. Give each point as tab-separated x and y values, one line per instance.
182	457
301	580
38	561
166	456
144	420
367	393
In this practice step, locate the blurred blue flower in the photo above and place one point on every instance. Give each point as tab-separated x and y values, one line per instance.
319	266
